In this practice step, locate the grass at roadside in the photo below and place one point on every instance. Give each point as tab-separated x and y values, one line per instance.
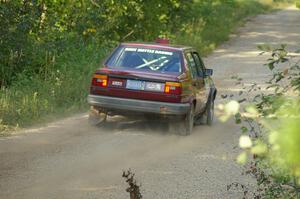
62	85
216	21
59	92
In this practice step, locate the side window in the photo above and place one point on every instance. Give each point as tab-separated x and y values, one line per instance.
192	64
199	64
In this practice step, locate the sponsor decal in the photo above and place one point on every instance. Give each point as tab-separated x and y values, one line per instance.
152	51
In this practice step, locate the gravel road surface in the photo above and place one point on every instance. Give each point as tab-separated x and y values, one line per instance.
69	159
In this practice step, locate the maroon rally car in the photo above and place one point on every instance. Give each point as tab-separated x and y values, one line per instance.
154	79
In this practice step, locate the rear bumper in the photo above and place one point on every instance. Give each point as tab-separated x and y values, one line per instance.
115	103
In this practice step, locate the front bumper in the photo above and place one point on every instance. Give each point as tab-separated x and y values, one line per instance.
124	104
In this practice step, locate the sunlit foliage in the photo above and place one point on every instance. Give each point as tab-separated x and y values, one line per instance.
297	3
270	126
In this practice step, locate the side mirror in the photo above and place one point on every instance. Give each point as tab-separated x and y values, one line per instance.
208	72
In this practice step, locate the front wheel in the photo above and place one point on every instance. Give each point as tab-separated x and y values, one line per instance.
207	116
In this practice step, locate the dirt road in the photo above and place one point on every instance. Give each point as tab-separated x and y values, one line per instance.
69	159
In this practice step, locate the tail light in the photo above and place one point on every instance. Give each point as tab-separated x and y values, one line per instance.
173	87
100	80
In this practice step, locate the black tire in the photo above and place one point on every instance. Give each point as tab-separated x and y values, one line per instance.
185	127
210	109
96	118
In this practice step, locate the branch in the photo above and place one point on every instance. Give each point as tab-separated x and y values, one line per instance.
130	33
95	4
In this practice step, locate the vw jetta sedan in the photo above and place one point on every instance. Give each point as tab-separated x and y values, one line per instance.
154	79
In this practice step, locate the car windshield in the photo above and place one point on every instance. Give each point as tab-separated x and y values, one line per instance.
145	59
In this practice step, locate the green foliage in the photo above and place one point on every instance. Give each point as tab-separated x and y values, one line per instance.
272	124
297	3
216	21
280	115
29	30
55	90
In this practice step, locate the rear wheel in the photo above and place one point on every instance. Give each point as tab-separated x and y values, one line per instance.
185	126
97	117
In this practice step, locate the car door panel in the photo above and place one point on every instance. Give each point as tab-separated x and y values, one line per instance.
197	82
204	87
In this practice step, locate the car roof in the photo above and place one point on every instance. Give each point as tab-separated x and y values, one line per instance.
157	45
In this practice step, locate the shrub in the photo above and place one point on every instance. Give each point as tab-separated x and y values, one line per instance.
270	127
